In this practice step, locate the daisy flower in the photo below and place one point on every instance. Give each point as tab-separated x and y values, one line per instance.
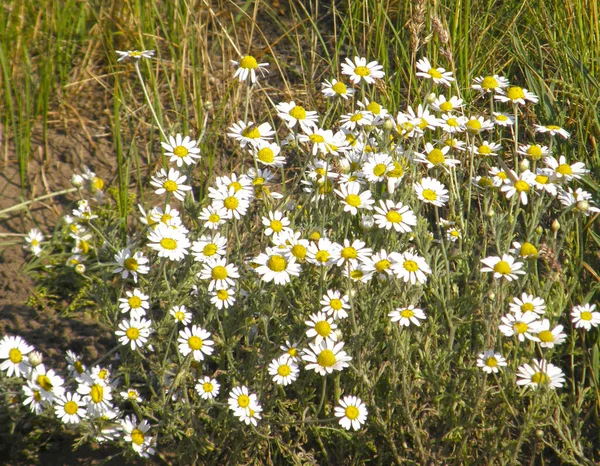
533	152
548	337
97	395
284	370
516	95
585	316
358	118
528	303
170	183
580	199
296	246
33	240
453	234
196	341
240	399
207	248
294	114
454	144
498	176
438	75
335	305
137	54
14	351
235	204
475	125
249	416
134	332
431	191
242	186
326	357
525	250
352	253
169	243
394	215
336	88
352	412
503	119
323	253
433	157
359	70
543	182
453	123
360	273
33	398
441	104
379	113
213	217
503	267
250	133
70	408
553	130
540	373
520	325
267	153
407	315
181	314
276	267
136	303
276	224
141	442
181	150
132	394
490	361
379	263
291	349
488	84
353	199
75	367
423	118
561	171
519	185
377	166
247	68
321	328
409	266
486	149
324	141
222	298
207	388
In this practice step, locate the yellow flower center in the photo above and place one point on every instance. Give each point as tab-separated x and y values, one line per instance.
339	88
407	313
423	123
137	436
103	374
382	265
515	93
15	355
168	243
436	157
564	169
326	358
207	387
299	251
485	182
180	151
429	195
243	401
336	304
435	74
219	273
316	138
527	307
277	263
323	328
353	200
97	393
322	256
520	327
71	407
484	150
586	315
411	266
362	71
44	382
535	152
135	302
374	108
214	218
473	126
528	249
249	62
284	370
446	107
351	412
397	172
491	362
393	217
223	295
349	253
131	264
195	343
170	186
502	175
379	169
522	186
179	315
298	112
231	203
251	132
546	336
356	274
356	117
266	155
452	122
542	179
37	396
502	267
501	117
276	226
97	183
78	366
540	378
132	333
210	249
489	82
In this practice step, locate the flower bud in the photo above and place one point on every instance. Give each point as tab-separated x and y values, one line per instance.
76	180
490	213
583	206
524	165
339	334
555	226
539	230
80	269
431	97
367	222
35	358
388	124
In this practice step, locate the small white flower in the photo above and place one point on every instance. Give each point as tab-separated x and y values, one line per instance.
585	316
196	341
181	150
247	68
352	412
407	315
284	370
490	361
207	388
359	70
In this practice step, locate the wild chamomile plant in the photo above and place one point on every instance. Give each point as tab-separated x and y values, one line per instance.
375	283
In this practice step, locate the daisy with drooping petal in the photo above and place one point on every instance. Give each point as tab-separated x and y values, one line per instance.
181	314
516	95
356	119
321	328
434	157
585	316
407	315
33	398
131	394
359	70
352	412
540	374
181	150
525	250
394	215
548	337
503	119
475	125
353	199
438	75
503	267
222	298
519	185
441	104
453	123
376	167
70	408
323	253
207	248
241	399
335	305
135	302
33	239
137	54
579	199
220	273
284	370
276	224
553	130
134	332
352	253
326	357
131	264
410	267
431	191
235	204
169	243
207	388
213	217
276	267
97	395
170	183
336	88
292	350
196	341
267	153
528	303
76	368
141	442
247	68
490	362
520	325
488	84
294	114
250	133
560	170
14	351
